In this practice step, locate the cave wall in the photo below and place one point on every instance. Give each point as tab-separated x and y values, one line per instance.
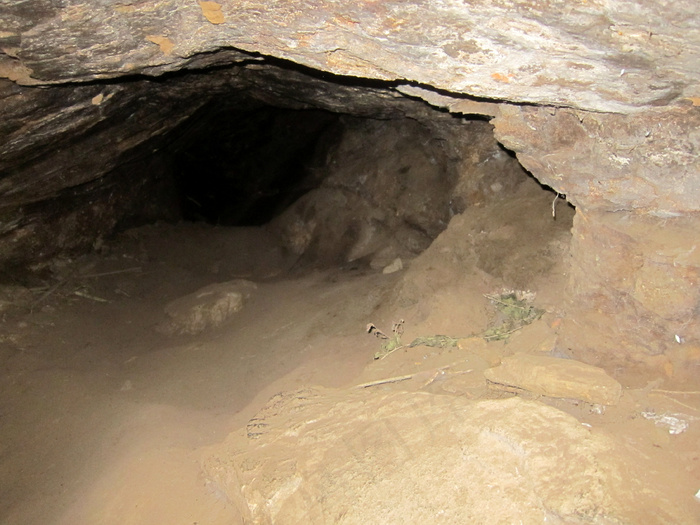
598	99
390	187
89	150
635	269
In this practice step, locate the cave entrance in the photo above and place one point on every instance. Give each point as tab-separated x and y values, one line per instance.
339	187
411	215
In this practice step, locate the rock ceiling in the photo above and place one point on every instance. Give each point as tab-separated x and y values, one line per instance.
600	55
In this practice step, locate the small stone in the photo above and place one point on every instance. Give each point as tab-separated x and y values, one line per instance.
209	307
555	377
395	266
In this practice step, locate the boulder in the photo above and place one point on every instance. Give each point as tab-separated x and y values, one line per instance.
555	377
369	457
207	308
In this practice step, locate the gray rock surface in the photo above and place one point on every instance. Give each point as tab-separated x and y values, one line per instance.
207	308
646	162
603	56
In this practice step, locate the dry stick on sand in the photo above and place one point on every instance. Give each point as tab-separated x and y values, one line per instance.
115	272
46	294
432	374
659	393
60	283
495	299
371	329
385	381
678	392
86	295
489	337
389	352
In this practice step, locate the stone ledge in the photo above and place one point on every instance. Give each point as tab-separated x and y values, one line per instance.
555	377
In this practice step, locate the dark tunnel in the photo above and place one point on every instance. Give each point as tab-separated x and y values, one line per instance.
235	167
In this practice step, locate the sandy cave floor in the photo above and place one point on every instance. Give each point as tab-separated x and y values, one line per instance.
105	420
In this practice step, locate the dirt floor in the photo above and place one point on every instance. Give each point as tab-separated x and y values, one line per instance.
105	419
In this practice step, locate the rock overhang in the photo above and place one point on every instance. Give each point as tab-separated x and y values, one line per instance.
598	56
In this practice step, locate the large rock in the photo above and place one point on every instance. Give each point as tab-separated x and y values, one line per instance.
645	162
207	308
364	457
392	186
603	56
554	377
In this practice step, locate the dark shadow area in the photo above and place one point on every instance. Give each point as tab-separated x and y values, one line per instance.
241	167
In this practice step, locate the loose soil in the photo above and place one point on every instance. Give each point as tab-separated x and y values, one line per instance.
106	420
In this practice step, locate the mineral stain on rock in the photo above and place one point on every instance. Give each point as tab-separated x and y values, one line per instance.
212	12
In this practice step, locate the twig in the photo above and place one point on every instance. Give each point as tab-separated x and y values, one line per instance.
662	393
371	329
441	371
390	352
435	372
554	205
489	337
386	381
678	392
438	372
495	300
115	272
91	297
46	294
675	400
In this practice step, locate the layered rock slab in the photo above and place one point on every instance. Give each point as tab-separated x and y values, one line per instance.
374	457
603	56
555	377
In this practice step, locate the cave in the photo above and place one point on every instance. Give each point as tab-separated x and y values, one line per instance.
259	162
381	263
